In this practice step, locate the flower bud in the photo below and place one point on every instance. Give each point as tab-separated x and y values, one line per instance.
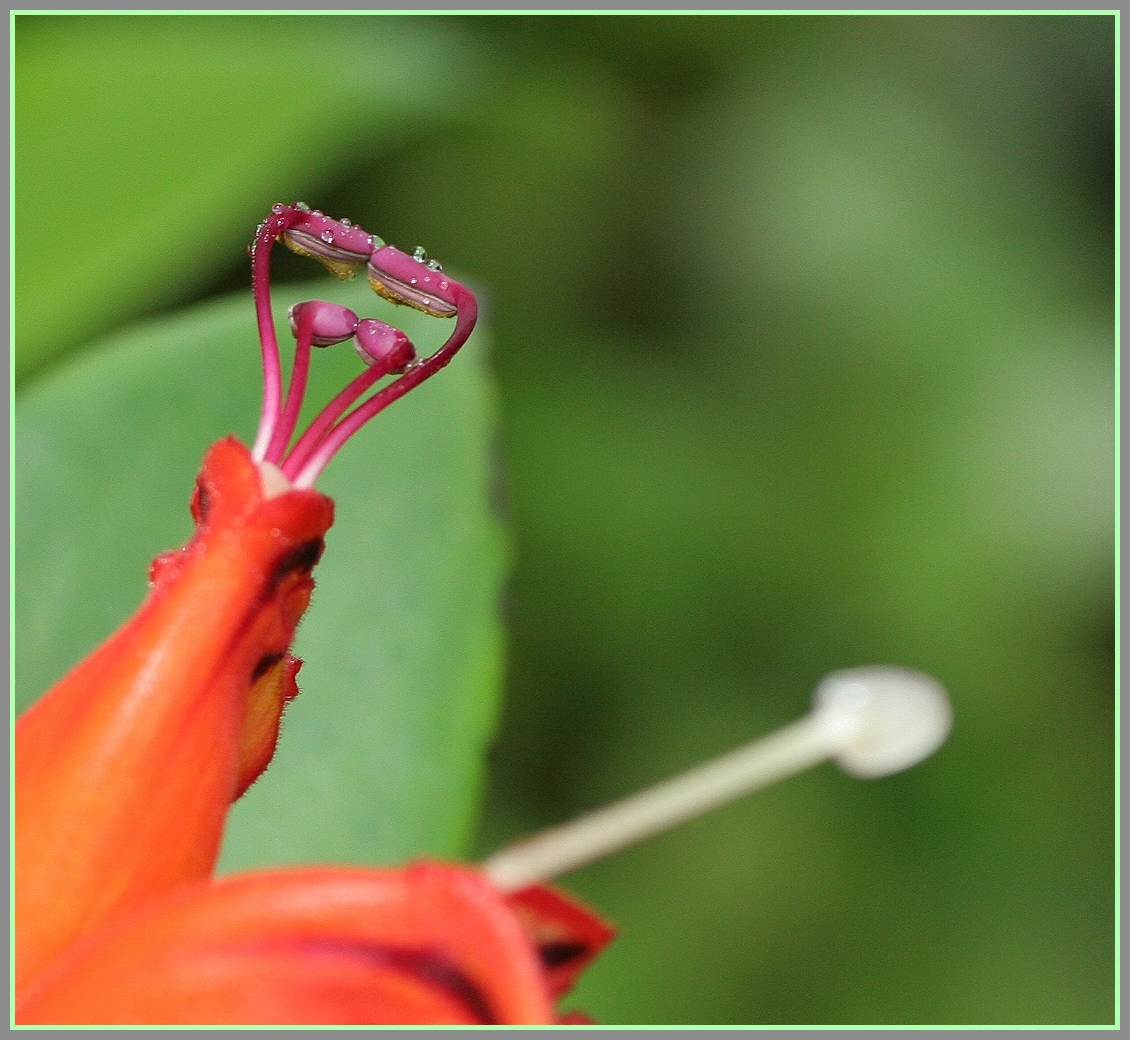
332	322
340	245
411	280
385	345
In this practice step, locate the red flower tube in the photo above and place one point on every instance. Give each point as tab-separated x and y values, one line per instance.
126	768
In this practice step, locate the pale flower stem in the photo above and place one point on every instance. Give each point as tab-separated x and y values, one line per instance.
789	750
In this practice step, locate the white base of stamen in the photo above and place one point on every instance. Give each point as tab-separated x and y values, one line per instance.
871	721
273	481
262	440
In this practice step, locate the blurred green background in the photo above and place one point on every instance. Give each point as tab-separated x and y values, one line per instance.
803	337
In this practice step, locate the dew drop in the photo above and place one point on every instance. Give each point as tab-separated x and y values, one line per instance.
443	285
435	265
345	222
427	301
327	237
411	281
302	207
419	254
278	207
318	213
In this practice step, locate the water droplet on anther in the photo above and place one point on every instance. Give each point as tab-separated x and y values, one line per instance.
327	237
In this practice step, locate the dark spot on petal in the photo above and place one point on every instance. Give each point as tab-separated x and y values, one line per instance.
555	954
201	503
300	559
429	966
448	977
266	663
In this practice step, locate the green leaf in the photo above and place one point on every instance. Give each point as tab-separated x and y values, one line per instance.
146	145
380	756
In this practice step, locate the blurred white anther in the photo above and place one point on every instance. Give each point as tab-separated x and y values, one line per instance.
882	720
870	721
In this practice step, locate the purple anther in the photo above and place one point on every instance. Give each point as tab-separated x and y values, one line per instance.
340	245
385	346
330	322
411	280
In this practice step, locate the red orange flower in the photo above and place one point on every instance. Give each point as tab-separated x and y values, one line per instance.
125	769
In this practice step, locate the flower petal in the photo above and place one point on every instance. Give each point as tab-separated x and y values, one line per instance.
429	944
273	687
566	934
126	768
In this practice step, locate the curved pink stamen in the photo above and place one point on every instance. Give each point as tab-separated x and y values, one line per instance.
297	390
321	426
265	236
392	359
394	274
468	311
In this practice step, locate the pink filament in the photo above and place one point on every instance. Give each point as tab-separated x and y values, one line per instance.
333	411
304	472
265	236
297	390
